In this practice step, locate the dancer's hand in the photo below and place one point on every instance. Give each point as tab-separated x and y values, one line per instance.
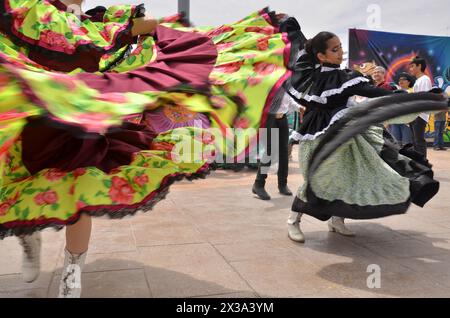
301	110
144	25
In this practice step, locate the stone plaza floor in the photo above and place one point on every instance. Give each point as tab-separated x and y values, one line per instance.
213	238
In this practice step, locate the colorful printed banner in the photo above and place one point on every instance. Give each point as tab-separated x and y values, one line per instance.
394	52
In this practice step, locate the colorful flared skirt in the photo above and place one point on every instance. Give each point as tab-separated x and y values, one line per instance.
356	170
110	141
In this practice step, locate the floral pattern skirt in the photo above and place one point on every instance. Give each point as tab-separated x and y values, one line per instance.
249	68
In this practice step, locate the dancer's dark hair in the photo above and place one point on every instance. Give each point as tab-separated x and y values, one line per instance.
318	44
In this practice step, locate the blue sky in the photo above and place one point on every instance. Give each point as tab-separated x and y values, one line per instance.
430	17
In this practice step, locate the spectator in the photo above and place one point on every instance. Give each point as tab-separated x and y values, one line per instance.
402	132
440	119
417	68
379	77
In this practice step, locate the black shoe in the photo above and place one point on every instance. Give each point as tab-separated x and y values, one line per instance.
260	192
442	148
284	190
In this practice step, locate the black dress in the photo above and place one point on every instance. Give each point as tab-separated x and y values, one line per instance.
351	166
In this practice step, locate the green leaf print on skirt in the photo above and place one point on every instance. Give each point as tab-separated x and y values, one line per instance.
56	197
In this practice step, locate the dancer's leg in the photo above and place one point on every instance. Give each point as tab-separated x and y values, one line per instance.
294	231
77	242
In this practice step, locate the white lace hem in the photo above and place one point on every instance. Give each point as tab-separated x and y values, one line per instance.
299	137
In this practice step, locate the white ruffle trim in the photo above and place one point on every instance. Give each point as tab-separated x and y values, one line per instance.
327	69
323	98
300	53
299	137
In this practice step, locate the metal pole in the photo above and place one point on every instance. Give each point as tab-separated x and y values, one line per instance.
183	6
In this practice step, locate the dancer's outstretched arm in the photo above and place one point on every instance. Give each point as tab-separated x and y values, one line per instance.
144	25
64	32
367	90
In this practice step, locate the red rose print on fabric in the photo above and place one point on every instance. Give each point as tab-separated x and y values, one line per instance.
263	68
108	31
224	46
242	98
165	146
44	198
250	56
4	207
221	30
119	13
268	30
218	102
50	197
79	172
241	122
77	29
55	40
80	205
54	175
262	44
162	145
106	56
228	68
39	199
46	18
141	180
121	191
105	35
218	82
206	138
137	50
80	31
19	16
253	81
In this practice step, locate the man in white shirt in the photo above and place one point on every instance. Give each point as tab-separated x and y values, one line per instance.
417	69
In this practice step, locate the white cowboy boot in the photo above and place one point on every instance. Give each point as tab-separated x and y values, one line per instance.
294	231
31	259
336	224
70	284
